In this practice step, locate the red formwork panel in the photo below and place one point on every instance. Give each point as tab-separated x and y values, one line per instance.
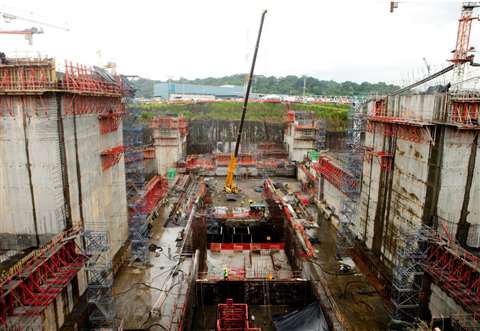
40	278
111	156
232	316
83	79
109	122
456	271
335	175
246	246
156	190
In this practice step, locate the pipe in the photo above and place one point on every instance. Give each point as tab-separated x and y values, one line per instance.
420	82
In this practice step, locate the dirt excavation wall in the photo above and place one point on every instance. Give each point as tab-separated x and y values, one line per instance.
203	135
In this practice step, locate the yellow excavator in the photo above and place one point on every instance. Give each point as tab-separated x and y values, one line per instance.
230	187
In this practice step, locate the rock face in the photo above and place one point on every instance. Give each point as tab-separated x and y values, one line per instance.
206	136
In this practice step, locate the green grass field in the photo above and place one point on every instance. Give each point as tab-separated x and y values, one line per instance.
335	115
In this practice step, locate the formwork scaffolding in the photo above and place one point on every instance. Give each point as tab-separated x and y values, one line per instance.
455	270
37	279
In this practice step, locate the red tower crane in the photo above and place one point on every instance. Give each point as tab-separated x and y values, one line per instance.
28	33
462	52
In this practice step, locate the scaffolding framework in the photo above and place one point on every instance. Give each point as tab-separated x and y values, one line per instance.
352	183
100	278
407	277
135	176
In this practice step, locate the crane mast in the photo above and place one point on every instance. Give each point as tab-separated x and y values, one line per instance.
230	186
462	53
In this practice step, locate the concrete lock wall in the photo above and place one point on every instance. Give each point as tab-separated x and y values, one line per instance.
453	185
333	197
370	187
441	305
408	191
35	134
417	107
169	152
473	216
103	192
453	177
297	148
54	315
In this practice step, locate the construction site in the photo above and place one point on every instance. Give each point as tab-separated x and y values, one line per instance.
113	221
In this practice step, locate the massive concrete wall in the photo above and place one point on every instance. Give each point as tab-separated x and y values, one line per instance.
364	225
457	151
434	178
30	167
416	107
31	149
408	192
297	144
103	195
170	147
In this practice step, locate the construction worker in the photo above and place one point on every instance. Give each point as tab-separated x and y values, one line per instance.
225	273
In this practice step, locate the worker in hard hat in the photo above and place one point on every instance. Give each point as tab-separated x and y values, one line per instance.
225	273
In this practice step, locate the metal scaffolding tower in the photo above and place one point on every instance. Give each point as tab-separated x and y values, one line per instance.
353	165
100	278
407	276
322	135
135	177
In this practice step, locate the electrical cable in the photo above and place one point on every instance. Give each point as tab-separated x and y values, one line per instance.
352	273
156	324
136	284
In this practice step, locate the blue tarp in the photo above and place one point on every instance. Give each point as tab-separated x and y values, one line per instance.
309	318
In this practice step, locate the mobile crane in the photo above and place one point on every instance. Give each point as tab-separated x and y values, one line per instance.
230	187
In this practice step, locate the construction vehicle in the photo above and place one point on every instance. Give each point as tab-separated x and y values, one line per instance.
230	187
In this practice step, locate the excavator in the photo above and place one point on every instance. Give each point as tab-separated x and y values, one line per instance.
230	188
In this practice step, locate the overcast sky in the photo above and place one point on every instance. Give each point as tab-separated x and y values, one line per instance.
339	40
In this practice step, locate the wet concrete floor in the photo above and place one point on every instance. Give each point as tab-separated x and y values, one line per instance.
138	289
358	301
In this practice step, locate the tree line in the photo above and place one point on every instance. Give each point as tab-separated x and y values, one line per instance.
292	85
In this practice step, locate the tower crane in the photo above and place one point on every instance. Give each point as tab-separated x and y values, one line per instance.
230	187
28	33
462	54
